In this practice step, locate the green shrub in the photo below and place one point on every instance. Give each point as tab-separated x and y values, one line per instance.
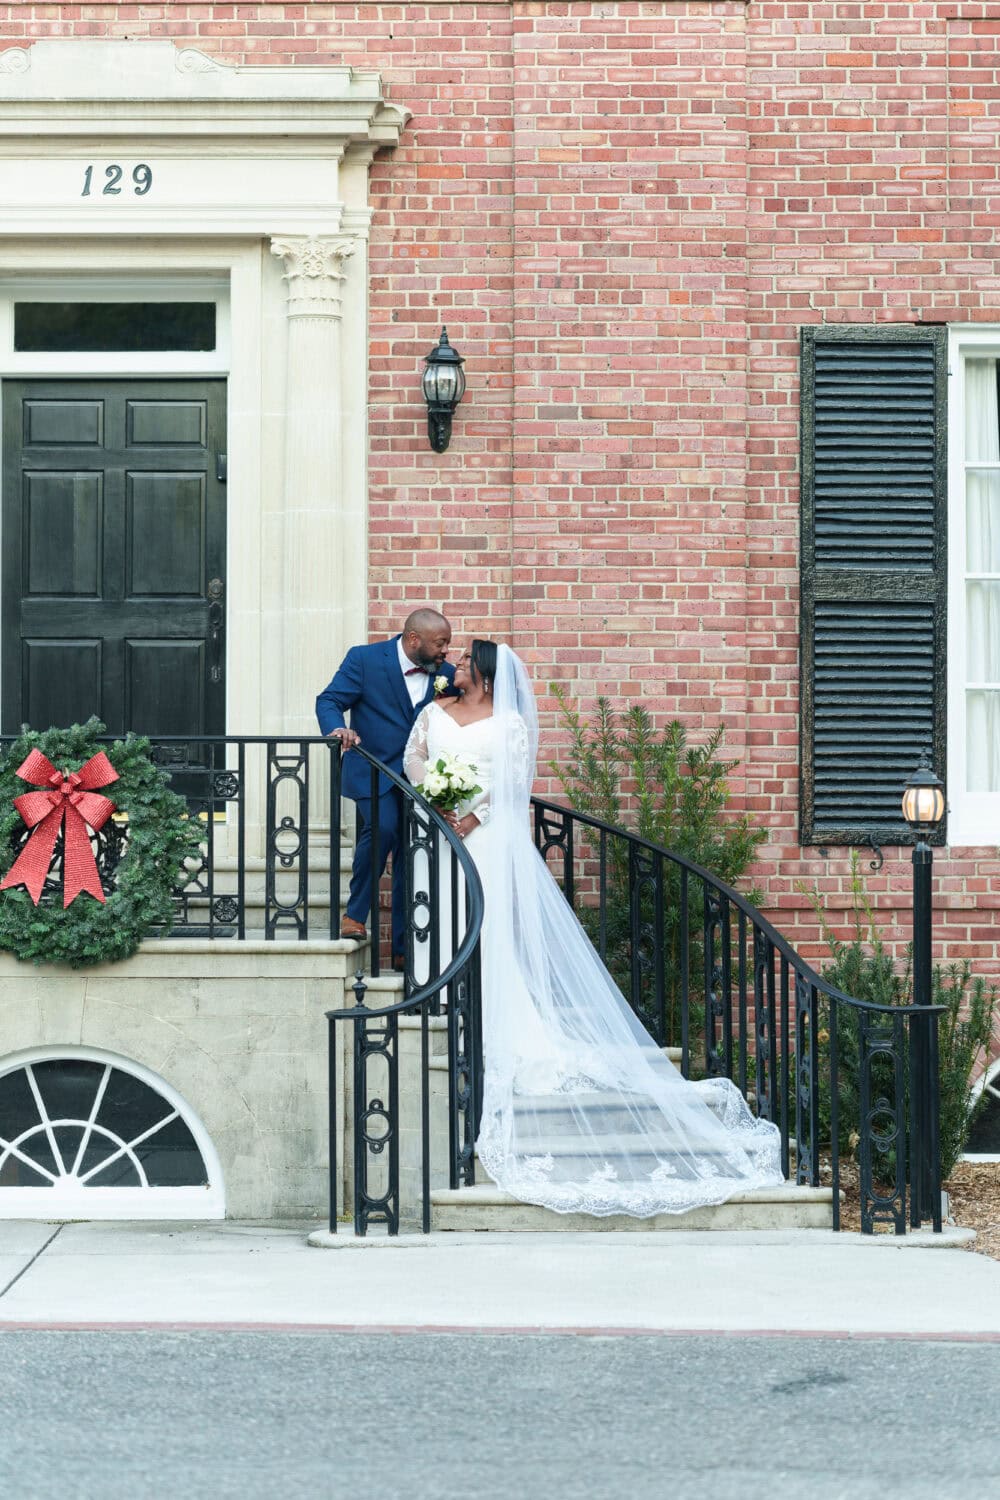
620	769
861	966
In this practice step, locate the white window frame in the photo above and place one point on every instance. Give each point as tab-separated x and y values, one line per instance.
69	1200
973	817
125	287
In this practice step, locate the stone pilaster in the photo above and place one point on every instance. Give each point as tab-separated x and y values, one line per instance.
314	546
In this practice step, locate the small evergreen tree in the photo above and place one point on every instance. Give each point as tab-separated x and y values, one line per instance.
620	769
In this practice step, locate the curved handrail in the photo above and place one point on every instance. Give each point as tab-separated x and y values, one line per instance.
781	944
461	957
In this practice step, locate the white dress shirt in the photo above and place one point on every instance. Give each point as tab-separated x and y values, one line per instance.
416	685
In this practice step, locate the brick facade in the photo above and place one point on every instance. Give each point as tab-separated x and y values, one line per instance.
624	212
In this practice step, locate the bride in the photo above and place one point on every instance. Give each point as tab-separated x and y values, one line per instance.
582	1111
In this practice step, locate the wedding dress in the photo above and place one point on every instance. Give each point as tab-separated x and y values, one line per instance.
582	1111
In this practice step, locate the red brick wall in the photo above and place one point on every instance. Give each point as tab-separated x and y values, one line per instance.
872	162
624	212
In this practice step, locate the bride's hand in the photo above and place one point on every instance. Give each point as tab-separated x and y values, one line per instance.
462	826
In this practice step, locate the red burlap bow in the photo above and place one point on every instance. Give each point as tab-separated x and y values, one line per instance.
70	800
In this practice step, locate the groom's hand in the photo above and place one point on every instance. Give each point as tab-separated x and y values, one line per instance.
348	738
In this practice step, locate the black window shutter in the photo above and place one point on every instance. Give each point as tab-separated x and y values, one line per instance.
874	496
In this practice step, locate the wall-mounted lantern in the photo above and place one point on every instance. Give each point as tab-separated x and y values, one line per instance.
443	384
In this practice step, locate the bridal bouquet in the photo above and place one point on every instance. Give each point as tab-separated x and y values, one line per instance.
448	782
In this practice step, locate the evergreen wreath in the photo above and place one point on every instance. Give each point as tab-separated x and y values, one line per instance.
138	890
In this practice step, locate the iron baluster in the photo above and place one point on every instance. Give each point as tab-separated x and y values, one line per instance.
883	1132
241	842
934	1120
375	919
713	977
569	874
785	1058
210	841
762	963
806	1082
425	1120
602	896
835	1112
336	812
659	956
462	1093
287	844
741	982
476	1008
726	983
331	1082
375	1040
684	921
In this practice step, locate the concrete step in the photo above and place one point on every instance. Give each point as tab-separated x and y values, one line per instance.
486	1207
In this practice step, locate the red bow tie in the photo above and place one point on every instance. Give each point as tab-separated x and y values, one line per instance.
411	671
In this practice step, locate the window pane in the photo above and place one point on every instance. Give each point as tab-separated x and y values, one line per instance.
982	428
983	741
113	327
68	1086
982	521
982	623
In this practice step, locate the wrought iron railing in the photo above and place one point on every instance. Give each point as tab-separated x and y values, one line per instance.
444	918
700	965
705	970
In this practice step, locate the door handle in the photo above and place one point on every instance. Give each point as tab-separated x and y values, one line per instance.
216	627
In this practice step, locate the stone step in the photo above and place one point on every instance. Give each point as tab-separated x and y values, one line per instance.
486	1207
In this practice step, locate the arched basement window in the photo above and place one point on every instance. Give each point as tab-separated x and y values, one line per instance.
88	1135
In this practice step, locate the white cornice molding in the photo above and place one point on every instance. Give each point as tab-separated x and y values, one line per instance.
221	150
86	87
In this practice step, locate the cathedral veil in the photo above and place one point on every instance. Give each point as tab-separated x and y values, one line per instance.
582	1111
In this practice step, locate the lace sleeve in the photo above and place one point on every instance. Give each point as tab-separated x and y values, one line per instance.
415	754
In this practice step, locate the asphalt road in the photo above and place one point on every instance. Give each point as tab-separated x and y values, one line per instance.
116	1415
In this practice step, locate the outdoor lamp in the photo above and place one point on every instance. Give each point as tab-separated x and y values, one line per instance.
923	799
443	384
923	809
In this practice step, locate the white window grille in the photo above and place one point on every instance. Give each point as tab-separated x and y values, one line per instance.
89	1135
973	771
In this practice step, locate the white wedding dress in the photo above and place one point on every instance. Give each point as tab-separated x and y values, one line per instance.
582	1112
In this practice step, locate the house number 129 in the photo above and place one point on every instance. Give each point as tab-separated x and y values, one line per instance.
141	182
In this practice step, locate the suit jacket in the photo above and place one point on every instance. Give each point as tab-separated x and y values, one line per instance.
369	685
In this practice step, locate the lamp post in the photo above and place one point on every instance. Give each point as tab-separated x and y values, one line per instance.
443	384
923	809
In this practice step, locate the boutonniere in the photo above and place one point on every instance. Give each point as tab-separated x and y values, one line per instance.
440	685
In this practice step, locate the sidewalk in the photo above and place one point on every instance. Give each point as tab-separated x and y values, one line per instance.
217	1275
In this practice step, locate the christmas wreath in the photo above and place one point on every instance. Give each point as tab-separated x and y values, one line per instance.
58	902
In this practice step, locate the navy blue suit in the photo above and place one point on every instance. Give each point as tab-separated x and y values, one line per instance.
370	686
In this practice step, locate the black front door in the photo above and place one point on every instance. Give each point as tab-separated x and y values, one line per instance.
114	543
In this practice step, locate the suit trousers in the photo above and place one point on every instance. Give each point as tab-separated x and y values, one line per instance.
390	831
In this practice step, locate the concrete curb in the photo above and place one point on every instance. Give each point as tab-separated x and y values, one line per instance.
950	1238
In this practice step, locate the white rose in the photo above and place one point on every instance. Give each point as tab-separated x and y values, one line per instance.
434	784
441	684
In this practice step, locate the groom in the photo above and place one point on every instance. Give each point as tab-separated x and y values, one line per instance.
384	686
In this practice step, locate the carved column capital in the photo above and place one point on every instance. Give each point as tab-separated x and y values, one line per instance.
313	273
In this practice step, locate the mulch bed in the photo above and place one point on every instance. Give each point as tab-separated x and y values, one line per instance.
974	1190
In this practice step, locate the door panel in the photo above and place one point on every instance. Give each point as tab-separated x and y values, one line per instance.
167	424
61	682
71	423
62	524
165	528
113	521
157	674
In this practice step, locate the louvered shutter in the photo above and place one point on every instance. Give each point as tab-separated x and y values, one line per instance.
873	575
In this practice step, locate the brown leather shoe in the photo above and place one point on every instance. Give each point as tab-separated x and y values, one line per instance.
399	963
351	929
